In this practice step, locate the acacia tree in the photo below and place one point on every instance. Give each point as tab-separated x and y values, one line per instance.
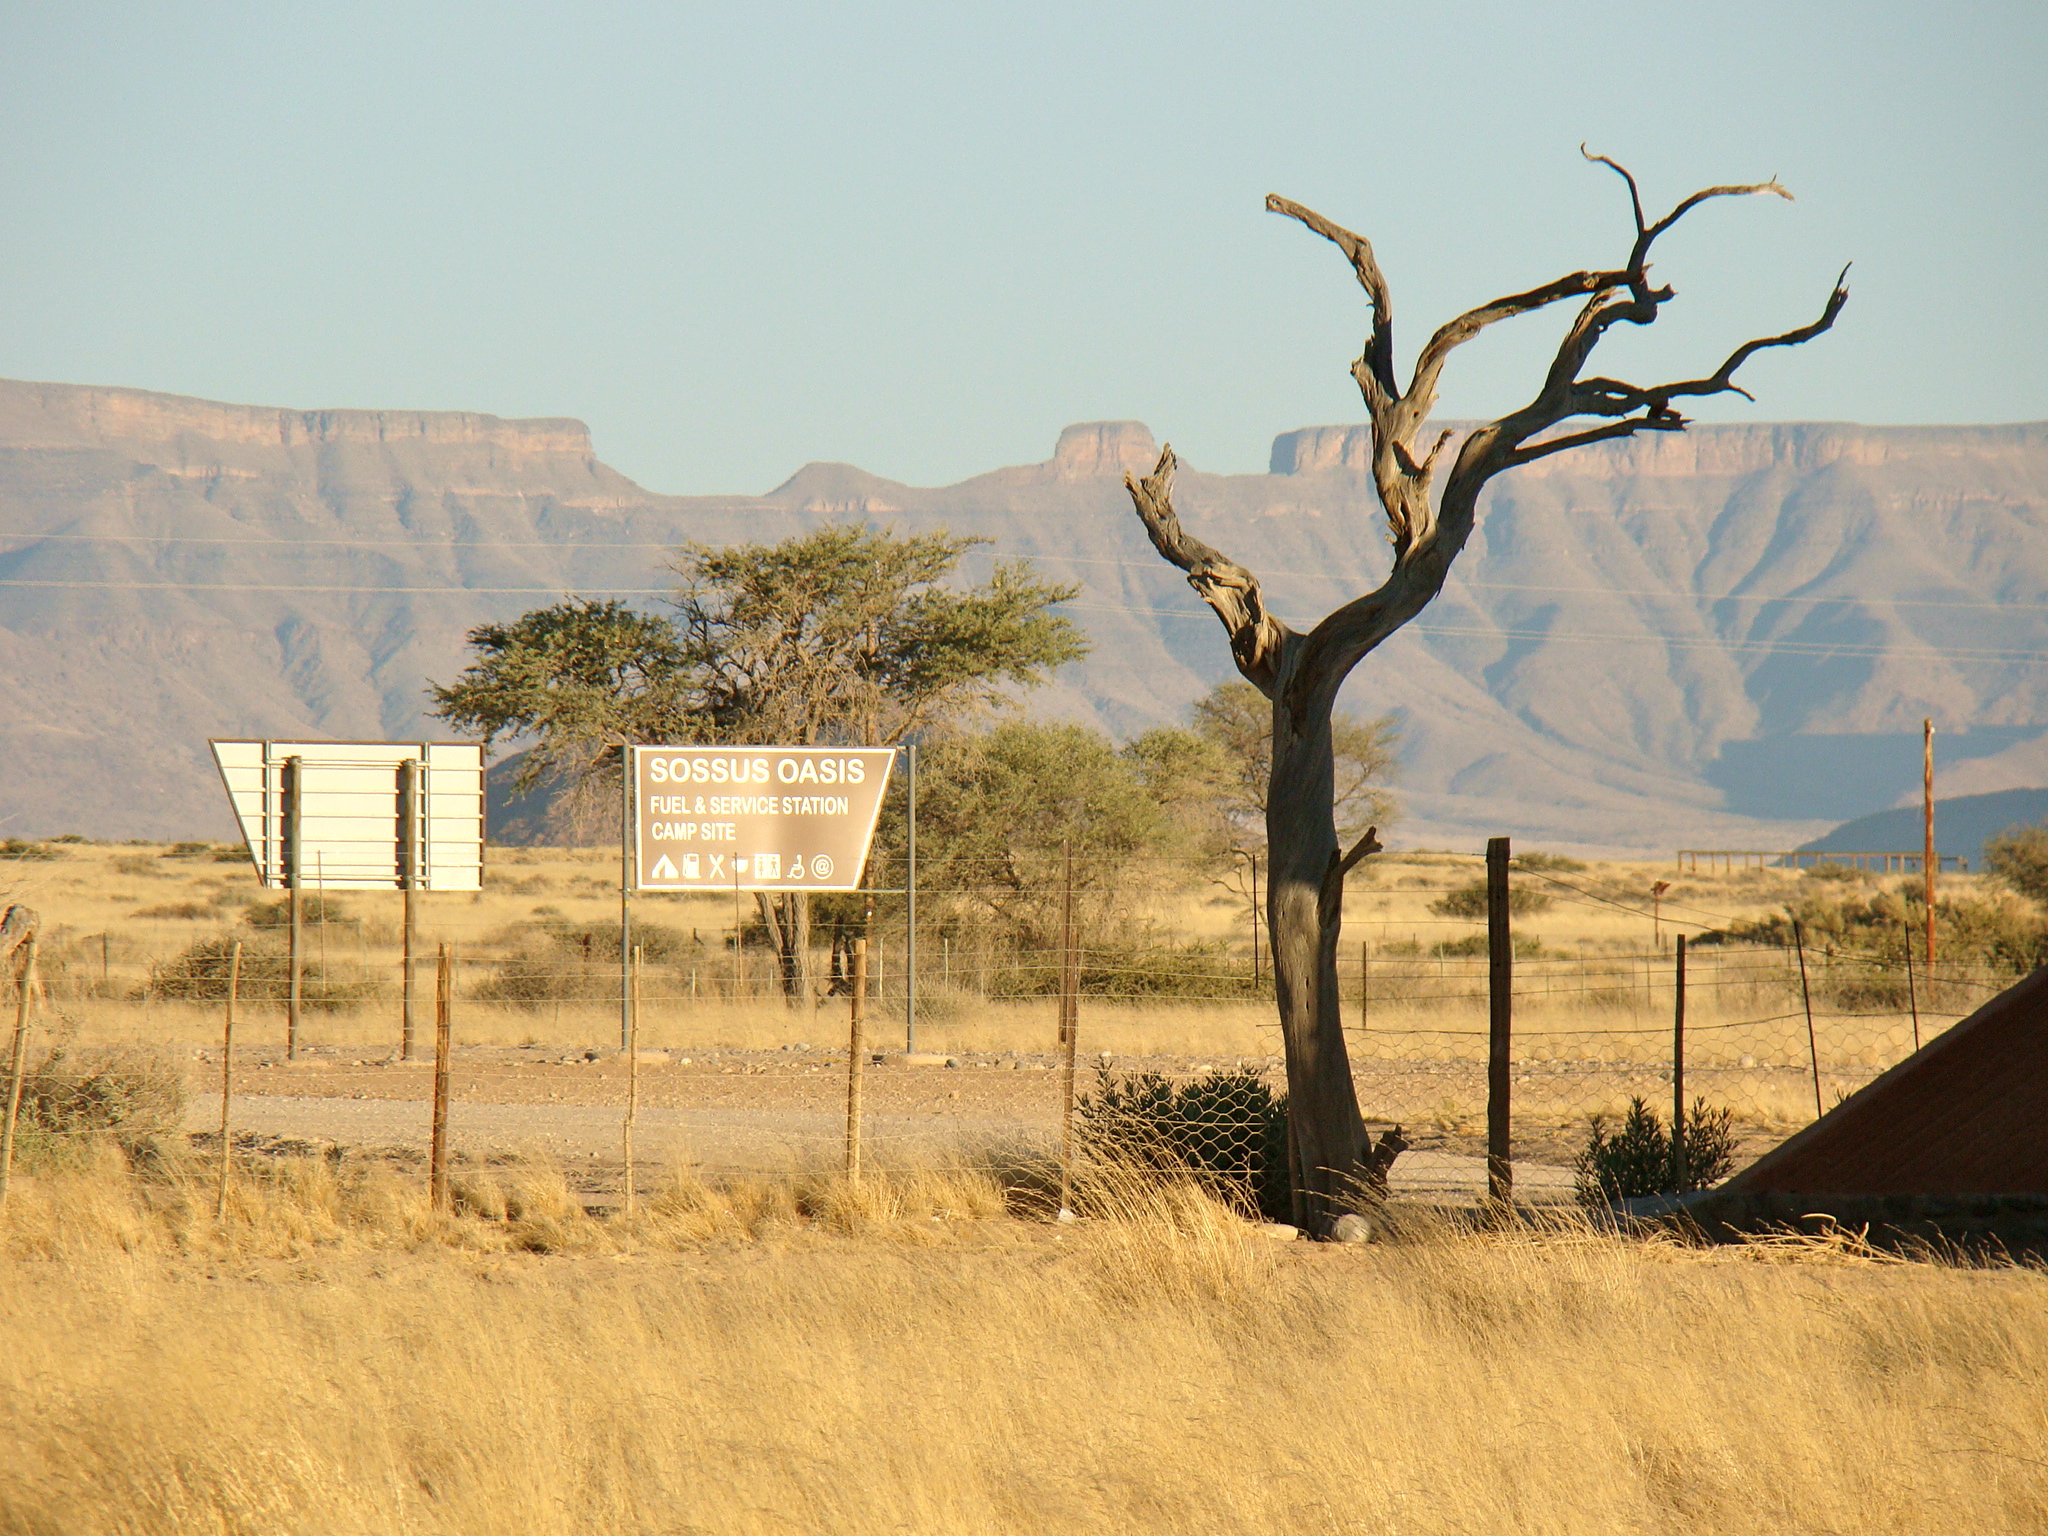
844	635
1300	673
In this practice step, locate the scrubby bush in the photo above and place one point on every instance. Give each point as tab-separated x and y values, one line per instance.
1832	872
1527	946
1228	1128
1637	1160
200	975
1470	901
72	1100
551	960
1130	966
2001	932
315	911
1551	861
18	848
2019	857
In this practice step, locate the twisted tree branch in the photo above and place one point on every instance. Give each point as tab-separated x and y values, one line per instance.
1257	639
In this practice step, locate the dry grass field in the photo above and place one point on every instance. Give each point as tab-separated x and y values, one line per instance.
927	1352
781	1357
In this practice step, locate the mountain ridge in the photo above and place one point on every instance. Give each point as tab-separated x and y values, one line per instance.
1640	639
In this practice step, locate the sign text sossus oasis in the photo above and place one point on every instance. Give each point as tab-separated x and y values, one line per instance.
755	818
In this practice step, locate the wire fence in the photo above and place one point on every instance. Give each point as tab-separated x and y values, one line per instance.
741	1060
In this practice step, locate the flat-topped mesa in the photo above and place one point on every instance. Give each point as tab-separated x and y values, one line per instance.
1707	448
1091	450
72	415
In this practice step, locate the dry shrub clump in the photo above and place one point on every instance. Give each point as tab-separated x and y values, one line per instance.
74	1100
1157	1367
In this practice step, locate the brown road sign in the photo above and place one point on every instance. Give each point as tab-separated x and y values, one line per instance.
755	818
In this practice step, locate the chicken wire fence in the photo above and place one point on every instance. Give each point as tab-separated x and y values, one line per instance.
1176	1030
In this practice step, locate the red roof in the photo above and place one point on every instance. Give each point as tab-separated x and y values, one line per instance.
1967	1114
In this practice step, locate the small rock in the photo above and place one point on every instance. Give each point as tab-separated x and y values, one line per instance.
1351	1228
1279	1231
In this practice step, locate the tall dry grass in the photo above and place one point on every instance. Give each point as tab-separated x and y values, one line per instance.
783	1365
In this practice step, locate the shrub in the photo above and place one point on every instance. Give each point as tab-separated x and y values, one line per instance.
1229	1128
315	911
2019	857
554	961
182	911
1470	901
200	975
1527	947
1636	1160
187	850
17	848
1551	861
128	1095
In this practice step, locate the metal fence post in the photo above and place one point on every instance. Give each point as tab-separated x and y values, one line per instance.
1500	953
1678	1073
1070	1021
910	909
1806	998
293	769
1912	993
632	1080
626	974
409	871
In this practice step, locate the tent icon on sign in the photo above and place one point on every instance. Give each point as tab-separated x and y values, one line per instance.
664	869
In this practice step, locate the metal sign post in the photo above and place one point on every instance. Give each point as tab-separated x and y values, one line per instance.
910	909
294	865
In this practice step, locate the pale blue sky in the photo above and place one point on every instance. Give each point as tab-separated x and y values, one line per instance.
922	237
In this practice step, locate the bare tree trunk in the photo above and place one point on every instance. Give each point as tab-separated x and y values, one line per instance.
1338	1166
1301	832
787	916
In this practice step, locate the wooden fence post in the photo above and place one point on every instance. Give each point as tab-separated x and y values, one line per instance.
1500	1173
227	1080
856	1057
17	1065
437	1160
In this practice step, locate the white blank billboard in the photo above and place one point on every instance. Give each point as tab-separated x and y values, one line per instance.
352	823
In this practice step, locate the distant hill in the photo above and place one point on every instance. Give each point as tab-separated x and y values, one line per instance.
1960	825
1723	638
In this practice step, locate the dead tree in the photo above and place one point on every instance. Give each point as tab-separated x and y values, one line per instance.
1338	1162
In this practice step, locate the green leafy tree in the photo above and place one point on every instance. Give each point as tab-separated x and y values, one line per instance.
997	810
845	635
